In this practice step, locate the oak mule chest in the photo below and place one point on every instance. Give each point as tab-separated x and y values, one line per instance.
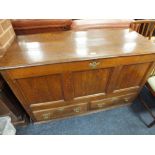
61	74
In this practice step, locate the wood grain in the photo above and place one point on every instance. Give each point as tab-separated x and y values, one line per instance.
144	27
63	78
58	47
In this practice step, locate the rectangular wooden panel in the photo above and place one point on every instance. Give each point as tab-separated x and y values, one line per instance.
101	104
41	89
90	82
131	75
68	90
63	111
101	87
78	66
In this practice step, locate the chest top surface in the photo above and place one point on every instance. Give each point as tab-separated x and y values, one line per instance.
68	46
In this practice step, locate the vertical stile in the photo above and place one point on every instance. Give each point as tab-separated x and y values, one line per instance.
139	25
152	30
134	26
131	25
143	29
147	29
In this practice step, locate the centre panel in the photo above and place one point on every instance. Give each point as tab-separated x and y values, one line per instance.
90	82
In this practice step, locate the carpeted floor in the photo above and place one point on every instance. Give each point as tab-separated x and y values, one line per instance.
128	120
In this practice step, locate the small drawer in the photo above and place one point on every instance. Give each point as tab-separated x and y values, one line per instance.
48	114
105	103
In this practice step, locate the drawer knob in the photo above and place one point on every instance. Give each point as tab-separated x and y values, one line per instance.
46	116
77	109
94	64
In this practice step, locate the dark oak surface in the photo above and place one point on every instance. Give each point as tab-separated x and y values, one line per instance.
61	74
33	26
68	46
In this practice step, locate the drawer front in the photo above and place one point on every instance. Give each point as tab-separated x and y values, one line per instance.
105	103
48	114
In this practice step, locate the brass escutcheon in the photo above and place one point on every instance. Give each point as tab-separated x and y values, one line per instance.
99	105
94	64
46	115
77	109
126	99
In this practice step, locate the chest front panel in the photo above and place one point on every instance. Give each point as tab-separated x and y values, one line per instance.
48	87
